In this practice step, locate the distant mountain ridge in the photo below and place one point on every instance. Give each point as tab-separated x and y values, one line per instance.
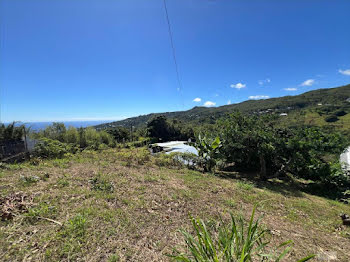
198	115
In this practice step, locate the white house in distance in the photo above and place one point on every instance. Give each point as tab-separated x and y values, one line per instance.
283	114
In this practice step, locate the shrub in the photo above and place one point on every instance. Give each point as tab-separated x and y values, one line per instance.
340	113
168	160
331	118
48	148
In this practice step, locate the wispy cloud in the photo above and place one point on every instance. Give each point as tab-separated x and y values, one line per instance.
209	104
259	97
229	102
197	99
238	85
266	81
308	82
345	72
291	89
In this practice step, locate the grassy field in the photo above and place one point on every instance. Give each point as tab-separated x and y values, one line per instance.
125	205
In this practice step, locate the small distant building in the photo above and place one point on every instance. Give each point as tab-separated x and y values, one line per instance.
319	104
348	100
283	114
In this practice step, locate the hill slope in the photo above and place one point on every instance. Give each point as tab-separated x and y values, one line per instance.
331	97
67	210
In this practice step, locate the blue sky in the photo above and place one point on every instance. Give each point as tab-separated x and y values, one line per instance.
111	59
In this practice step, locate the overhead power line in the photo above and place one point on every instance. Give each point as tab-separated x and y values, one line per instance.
173	48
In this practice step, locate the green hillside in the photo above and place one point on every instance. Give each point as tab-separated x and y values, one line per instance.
127	205
317	107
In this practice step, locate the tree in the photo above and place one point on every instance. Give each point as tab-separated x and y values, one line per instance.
120	134
159	128
72	135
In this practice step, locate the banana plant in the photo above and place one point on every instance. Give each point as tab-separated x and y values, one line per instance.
208	151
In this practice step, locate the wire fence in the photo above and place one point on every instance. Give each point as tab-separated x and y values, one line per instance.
12	149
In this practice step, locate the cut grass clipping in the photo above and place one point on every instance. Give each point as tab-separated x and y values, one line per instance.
231	243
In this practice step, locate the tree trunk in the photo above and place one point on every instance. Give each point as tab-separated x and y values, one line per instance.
262	168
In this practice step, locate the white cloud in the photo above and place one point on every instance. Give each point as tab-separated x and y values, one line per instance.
197	99
308	82
209	104
345	72
291	89
238	85
259	97
262	82
229	102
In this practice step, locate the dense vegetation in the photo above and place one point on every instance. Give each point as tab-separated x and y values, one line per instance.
325	103
250	143
57	140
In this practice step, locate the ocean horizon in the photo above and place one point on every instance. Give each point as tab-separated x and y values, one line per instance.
36	126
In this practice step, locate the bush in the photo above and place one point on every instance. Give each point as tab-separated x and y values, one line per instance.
48	148
168	160
340	113
331	118
337	181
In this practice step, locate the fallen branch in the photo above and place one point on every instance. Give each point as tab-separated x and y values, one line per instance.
51	220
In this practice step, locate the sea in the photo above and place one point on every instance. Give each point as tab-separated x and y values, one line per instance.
37	126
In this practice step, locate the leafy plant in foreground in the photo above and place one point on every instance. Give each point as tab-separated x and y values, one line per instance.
232	243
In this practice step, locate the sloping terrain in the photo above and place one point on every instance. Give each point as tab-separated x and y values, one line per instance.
125	205
307	101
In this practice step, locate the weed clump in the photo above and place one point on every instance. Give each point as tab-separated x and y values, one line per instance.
99	184
29	180
230	243
73	236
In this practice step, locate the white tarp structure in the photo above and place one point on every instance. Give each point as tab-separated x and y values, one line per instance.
177	146
345	159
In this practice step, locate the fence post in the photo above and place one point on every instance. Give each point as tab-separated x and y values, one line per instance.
25	139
